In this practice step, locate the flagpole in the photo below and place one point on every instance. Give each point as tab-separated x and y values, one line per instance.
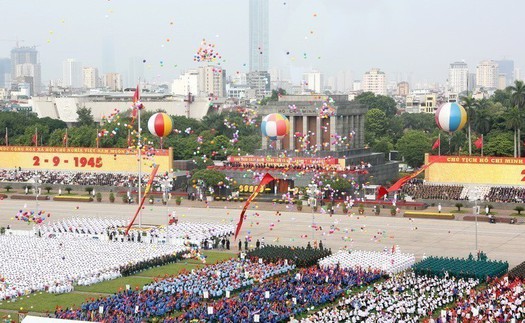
67	139
6	137
36	137
96	138
139	158
482	144
439	146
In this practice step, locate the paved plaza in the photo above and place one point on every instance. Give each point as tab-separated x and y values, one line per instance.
451	238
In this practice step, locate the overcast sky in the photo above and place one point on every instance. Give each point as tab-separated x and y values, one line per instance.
408	39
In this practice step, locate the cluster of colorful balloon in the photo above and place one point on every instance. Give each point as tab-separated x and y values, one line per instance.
31	217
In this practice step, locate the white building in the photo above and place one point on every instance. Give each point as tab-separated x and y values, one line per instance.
187	82
313	81
112	81
457	77
212	81
487	74
72	73
29	73
90	77
374	81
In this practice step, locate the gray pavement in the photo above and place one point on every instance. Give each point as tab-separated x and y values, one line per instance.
367	232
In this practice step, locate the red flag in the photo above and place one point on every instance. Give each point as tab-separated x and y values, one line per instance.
479	142
397	185
381	191
34	139
265	180
437	143
65	139
146	190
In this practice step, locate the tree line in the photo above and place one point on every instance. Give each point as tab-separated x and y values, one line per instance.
499	119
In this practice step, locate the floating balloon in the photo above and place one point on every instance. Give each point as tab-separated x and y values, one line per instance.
451	117
160	124
275	126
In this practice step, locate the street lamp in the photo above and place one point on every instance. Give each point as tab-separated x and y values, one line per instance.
313	192
474	196
36	179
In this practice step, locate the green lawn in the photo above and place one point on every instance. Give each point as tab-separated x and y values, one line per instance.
113	286
47	302
171	269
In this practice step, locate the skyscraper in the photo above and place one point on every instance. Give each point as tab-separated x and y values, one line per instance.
5	71
374	81
313	81
25	67
90	77
487	74
259	35
72	73
457	77
506	67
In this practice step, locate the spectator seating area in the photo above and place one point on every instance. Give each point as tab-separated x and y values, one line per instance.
386	261
76	178
419	190
464	268
405	297
31	264
302	257
506	194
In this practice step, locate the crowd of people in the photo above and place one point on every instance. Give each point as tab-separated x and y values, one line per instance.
301	256
208	235
506	194
93	226
31	264
280	298
419	190
502	301
76	178
180	293
388	261
405	297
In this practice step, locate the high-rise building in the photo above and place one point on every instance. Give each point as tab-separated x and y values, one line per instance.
313	81
487	74
374	81
113	81
506	68
90	77
31	75
72	73
259	81
135	71
259	35
457	77
403	88
187	82
212	81
5	71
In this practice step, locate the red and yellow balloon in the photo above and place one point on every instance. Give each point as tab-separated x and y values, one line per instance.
160	124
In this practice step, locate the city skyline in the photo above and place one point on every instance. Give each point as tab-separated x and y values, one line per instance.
305	35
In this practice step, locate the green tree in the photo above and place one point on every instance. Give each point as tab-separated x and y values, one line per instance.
376	124
84	116
517	99
498	144
381	102
514	121
209	177
419	121
412	146
383	144
483	121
